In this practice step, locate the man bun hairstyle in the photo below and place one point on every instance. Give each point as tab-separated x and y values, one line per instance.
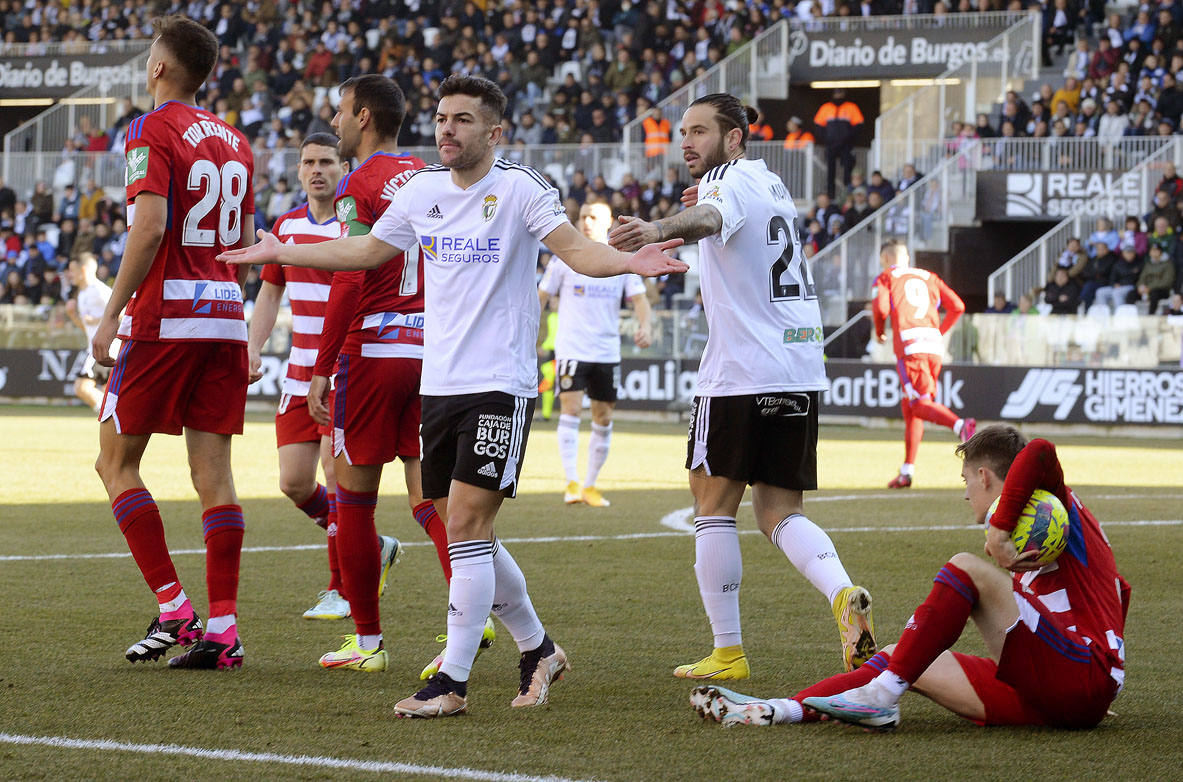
730	114
383	98
994	446
491	98
320	139
191	44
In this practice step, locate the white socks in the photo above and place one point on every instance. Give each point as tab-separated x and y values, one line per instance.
812	552
907	468
470	598
785	710
174	604
511	603
597	450
369	642
719	569
568	433
219	624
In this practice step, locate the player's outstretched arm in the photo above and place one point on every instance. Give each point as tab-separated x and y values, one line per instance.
690	225
344	254
599	260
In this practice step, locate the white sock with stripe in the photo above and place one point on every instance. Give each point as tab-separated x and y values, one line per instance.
568	433
597	450
511	601
470	598
812	552
719	569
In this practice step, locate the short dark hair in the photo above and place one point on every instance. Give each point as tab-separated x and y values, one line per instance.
994	446
192	44
730	113
384	99
491	98
320	139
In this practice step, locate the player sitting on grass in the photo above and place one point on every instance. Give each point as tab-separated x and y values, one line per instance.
1054	633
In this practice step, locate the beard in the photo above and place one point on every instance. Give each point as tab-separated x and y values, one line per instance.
716	157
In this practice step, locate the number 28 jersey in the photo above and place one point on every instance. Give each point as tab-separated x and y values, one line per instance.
204	168
765	328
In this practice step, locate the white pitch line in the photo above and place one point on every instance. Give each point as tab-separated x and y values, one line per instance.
306	761
677	532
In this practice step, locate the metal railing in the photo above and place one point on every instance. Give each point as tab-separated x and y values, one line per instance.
1030	269
99	104
758	69
845	268
1033	154
910	22
797	167
68	48
957	94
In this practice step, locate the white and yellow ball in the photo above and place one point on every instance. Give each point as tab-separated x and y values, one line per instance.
1042	526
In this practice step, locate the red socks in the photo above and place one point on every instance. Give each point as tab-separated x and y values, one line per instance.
316	507
842	682
931	411
433	525
139	521
334	563
223	527
936	625
357	548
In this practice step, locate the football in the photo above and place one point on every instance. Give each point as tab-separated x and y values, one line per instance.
1042	526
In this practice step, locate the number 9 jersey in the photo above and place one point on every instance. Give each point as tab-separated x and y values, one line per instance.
204	168
765	327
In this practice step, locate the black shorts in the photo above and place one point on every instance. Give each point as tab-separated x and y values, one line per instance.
477	439
599	380
756	438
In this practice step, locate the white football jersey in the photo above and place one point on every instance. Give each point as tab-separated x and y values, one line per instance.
765	327
589	311
92	301
480	250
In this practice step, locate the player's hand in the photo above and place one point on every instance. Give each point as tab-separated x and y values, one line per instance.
690	196
632	234
71	305
1000	548
318	392
266	250
652	261
643	336
100	346
256	363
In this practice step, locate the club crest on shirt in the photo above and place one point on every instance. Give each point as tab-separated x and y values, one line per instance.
137	164
713	193
489	208
346	209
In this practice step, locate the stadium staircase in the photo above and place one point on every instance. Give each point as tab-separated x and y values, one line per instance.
30	151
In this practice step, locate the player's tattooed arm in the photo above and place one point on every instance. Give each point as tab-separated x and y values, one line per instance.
690	225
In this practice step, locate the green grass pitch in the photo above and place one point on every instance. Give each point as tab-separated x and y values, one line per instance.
614	586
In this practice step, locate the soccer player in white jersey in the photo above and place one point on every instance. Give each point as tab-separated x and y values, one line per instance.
587	352
86	311
754	418
479	220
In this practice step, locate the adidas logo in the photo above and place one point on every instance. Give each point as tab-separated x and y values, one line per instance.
489	470
435	213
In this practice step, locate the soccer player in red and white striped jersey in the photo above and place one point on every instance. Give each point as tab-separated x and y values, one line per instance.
183	364
302	442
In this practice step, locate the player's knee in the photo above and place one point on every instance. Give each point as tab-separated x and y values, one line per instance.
296	490
970	563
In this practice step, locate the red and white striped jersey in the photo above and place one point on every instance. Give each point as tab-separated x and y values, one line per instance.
204	168
913	300
308	293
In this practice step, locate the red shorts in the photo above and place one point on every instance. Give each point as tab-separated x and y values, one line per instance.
918	374
167	387
376	413
293	422
1044	676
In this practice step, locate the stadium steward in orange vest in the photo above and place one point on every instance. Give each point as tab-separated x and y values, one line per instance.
796	137
836	122
657	133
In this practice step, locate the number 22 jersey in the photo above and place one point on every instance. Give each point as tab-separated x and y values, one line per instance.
765	328
204	168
